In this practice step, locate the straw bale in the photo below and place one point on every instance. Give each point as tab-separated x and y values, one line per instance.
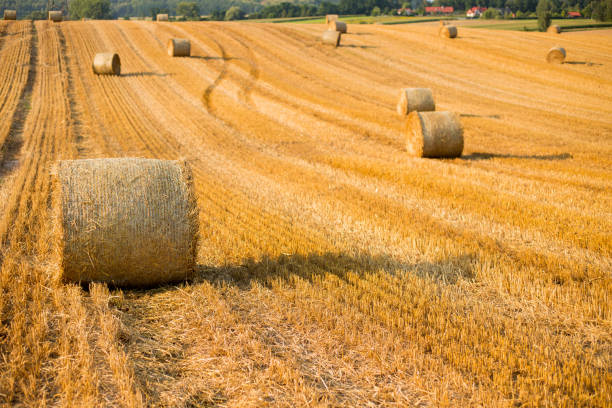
330	17
556	55
162	17
554	29
126	221
448	31
179	47
331	37
434	134
415	99
107	63
10	14
339	26
56	16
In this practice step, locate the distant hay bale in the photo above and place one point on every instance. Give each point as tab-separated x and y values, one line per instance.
107	63
434	134
126	221
448	31
56	16
10	14
339	26
555	29
162	17
330	17
442	23
331	37
415	99
179	47
556	55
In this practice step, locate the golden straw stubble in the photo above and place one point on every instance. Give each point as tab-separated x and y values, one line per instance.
556	55
415	99
434	134
126	221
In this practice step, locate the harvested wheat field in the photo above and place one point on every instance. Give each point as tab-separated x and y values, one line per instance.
333	269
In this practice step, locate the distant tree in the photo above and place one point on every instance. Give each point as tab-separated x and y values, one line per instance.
234	13
189	10
97	9
544	12
375	12
217	15
601	10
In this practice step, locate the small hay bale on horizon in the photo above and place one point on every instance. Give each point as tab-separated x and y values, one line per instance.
162	17
126	221
434	134
10	14
179	47
330	17
556	55
107	63
554	29
448	31
339	26
56	16
331	37
415	99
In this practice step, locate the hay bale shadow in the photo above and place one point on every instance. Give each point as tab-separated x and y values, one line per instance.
488	156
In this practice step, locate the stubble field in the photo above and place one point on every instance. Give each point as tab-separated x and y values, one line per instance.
333	269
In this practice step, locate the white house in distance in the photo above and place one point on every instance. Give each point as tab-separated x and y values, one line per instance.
475	12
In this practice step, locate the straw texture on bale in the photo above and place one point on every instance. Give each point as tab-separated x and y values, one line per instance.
331	37
162	17
555	29
107	63
330	17
415	99
10	14
179	47
556	55
128	222
339	26
434	134
448	31
56	16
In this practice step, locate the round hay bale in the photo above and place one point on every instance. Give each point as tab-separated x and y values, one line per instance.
162	17
448	31
331	37
434	134
107	63
126	221
10	14
442	23
555	29
556	55
339	26
56	16
179	47
330	17
415	99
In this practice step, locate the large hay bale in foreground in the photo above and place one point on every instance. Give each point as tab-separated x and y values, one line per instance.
56	16
448	31
162	17
434	134
554	29
339	26
128	222
331	37
556	55
10	14
415	99
107	63
330	17
179	47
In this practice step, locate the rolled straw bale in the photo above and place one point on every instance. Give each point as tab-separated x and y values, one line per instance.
126	221
555	29
162	17
415	99
10	14
337	26
331	37
330	17
434	134
556	55
179	47
448	31
56	16
107	63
